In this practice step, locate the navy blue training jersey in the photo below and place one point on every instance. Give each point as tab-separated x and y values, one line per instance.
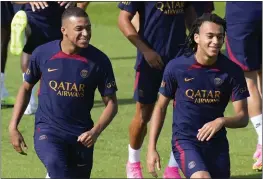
201	93
241	12
162	26
68	84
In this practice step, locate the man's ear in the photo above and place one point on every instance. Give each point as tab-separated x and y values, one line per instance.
196	38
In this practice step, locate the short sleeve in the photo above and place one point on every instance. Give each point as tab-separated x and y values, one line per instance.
33	73
130	6
169	83
107	83
239	86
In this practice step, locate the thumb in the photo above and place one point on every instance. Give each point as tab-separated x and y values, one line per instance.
23	144
79	138
158	164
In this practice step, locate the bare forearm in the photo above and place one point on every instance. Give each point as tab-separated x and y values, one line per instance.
157	121
238	121
22	101
131	34
106	117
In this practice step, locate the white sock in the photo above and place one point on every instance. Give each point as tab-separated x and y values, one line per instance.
2	83
47	176
32	97
134	155
172	161
257	123
2	77
4	92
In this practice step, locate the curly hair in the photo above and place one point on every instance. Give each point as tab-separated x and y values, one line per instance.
190	45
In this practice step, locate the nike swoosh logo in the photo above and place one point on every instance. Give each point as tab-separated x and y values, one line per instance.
188	79
50	69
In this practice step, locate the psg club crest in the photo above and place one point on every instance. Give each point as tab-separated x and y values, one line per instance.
218	81
84	73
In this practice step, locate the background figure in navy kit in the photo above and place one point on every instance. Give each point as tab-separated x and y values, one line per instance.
69	70
162	30
244	47
201	80
7	13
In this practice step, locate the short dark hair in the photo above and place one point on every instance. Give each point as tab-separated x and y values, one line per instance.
190	45
73	11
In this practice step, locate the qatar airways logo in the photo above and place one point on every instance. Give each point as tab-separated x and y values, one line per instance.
67	88
170	7
203	96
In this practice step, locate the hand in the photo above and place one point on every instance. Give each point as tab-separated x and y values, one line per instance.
209	129
88	138
17	141
67	4
38	5
153	59
153	159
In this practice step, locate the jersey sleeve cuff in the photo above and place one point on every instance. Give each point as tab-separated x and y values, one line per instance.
233	99
109	93
122	7
165	94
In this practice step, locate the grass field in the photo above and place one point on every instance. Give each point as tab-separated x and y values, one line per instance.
111	149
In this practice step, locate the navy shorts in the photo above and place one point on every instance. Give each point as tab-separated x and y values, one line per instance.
244	45
193	157
62	157
7	14
40	36
147	84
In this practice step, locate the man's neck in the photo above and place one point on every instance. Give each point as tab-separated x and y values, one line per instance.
69	48
205	60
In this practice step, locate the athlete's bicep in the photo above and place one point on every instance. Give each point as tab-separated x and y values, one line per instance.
110	99
240	107
163	101
27	86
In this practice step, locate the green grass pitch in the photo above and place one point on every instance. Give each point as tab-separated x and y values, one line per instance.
111	150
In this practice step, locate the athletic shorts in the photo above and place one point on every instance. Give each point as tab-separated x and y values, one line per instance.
147	84
193	157
62	155
244	45
40	36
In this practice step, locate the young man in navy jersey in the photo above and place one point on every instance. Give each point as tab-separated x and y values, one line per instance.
42	22
162	30
201	81
244	47
69	70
